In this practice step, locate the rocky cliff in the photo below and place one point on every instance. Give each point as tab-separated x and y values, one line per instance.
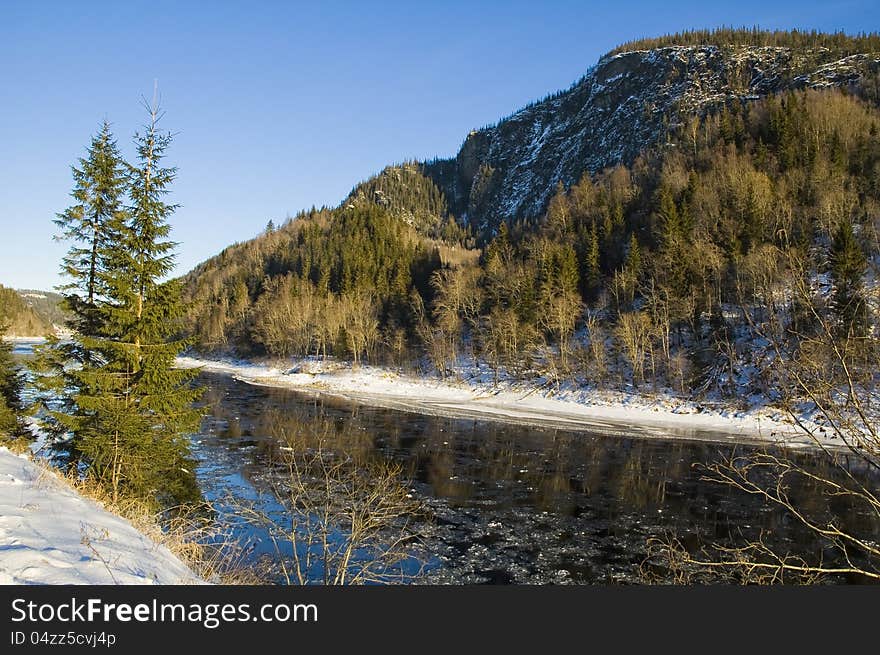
624	104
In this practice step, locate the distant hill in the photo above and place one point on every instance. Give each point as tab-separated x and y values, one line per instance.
46	304
29	313
631	100
679	181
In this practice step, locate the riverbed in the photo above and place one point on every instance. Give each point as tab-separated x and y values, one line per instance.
505	503
500	502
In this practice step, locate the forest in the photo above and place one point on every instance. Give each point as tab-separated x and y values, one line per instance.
28	316
661	274
839	43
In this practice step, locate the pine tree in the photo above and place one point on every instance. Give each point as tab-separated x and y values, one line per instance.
674	246
128	410
567	268
634	259
11	382
668	212
848	268
92	225
95	220
594	264
153	403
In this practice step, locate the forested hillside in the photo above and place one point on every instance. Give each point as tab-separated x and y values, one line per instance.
751	216
21	316
47	304
328	281
407	193
836	43
630	101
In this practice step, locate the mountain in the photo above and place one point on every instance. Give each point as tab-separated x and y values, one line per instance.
46	304
28	313
626	103
680	178
629	101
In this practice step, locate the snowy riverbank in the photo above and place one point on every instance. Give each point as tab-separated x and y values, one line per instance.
610	412
32	340
49	534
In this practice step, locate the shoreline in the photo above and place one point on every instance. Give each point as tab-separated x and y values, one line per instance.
615	413
20	339
50	533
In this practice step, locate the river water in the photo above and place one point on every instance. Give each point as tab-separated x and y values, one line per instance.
505	503
502	503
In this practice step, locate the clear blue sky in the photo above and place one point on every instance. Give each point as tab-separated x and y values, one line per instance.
281	106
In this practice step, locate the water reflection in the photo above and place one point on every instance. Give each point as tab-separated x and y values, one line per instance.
507	503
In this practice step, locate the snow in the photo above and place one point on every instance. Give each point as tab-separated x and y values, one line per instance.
567	406
49	534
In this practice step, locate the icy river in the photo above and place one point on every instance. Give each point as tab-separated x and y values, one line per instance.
504	503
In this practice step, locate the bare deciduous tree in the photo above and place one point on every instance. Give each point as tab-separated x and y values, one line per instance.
634	333
837	377
345	519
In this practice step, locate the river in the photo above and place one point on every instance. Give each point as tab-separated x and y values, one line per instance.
505	503
501	503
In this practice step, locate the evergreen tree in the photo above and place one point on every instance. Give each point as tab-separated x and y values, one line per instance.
128	410
94	221
594	264
672	245
153	401
668	211
92	225
634	259
568	277
848	268
11	383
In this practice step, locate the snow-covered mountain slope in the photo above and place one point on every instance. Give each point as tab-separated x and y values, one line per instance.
623	105
49	534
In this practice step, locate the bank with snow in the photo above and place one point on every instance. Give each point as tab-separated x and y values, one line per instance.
533	403
50	534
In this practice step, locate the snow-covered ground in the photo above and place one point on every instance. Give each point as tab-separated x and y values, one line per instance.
611	412
49	534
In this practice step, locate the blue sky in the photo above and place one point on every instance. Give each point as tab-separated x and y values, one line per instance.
280	106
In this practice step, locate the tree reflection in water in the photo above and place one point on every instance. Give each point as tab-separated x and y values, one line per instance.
505	502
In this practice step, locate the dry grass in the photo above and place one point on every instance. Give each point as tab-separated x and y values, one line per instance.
189	533
17	445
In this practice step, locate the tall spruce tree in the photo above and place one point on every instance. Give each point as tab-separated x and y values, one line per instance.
848	268
91	224
158	398
128	410
593	264
11	383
